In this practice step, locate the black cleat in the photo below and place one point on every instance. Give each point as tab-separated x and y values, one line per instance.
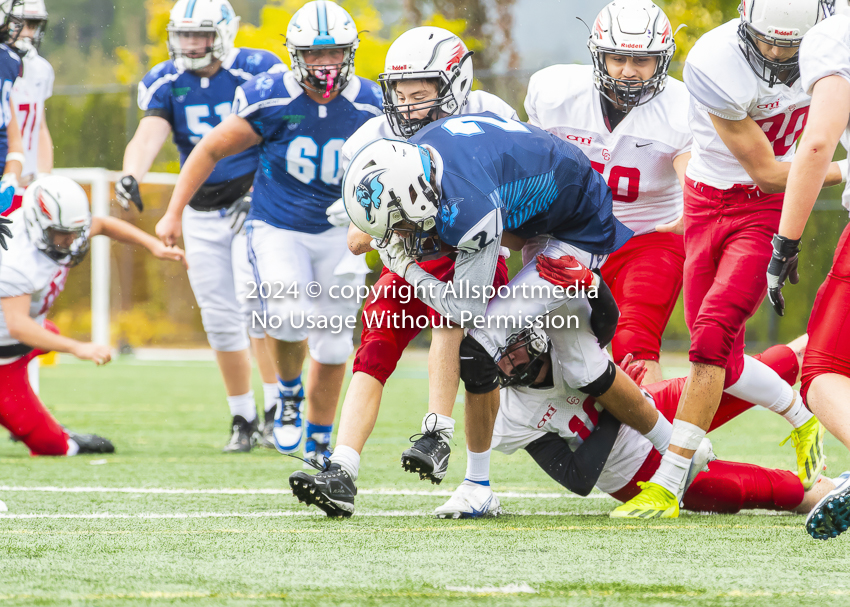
428	457
266	439
244	436
331	490
91	443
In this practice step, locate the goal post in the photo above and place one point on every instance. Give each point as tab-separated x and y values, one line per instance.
101	182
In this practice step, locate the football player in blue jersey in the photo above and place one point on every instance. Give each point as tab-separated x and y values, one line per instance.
188	96
473	183
11	146
299	120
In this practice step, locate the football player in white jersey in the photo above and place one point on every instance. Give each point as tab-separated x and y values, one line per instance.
299	121
52	232
32	90
581	446
186	97
747	110
825	73
428	75
630	119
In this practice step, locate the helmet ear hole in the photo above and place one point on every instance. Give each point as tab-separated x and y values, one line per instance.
413	195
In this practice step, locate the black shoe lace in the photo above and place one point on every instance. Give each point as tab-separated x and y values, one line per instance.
321	467
431	438
290	409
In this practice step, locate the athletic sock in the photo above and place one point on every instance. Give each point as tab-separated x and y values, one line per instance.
478	467
798	414
243	405
317	433
660	434
671	472
73	448
290	387
434	422
348	459
271	394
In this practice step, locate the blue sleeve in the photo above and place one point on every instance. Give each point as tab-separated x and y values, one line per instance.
155	90
262	101
258	61
468	219
370	93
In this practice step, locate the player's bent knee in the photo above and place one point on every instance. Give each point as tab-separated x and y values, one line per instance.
478	370
601	384
332	349
229	341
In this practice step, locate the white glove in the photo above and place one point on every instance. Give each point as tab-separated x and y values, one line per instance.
844	165
337	215
394	257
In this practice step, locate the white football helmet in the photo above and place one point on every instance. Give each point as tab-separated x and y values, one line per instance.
55	206
637	28
520	361
35	13
426	53
213	18
11	25
780	23
389	189
316	26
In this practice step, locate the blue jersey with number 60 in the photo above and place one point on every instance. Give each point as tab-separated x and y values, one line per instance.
501	175
300	172
193	105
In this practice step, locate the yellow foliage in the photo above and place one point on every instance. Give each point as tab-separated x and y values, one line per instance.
699	19
157	12
129	65
140	327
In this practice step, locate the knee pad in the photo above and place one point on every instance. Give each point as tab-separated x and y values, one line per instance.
228	342
478	370
225	330
600	385
331	348
604	313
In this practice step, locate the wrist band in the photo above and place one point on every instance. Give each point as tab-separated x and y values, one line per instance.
844	166
15	156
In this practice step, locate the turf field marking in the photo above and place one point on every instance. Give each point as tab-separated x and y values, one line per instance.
388	492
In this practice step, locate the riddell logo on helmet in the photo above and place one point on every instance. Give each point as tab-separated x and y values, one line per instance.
581	140
400	67
630	45
784	32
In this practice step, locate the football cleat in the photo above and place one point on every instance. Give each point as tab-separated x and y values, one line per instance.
287	432
699	462
470	500
428	457
243	437
653	501
331	489
808	441
91	443
266	438
831	515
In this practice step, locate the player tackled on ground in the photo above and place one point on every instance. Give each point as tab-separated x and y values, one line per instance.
187	96
299	121
631	121
747	110
52	231
825	73
428	76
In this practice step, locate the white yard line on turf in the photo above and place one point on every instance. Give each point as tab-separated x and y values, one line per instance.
288	514
390	492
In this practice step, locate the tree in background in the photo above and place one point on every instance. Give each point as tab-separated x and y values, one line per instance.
699	18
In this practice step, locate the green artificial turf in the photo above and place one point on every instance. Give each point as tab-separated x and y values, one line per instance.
169	422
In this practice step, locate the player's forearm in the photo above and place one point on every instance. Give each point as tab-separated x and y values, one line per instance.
25	330
45	148
462	300
16	146
123	231
809	169
139	156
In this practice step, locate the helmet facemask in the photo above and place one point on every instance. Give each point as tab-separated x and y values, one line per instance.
69	255
12	24
628	94
419	237
443	104
25	44
197	58
770	70
324	78
522	358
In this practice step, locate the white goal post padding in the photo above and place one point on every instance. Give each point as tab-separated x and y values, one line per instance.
101	181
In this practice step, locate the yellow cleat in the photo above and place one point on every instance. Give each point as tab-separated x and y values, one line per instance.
808	440
653	501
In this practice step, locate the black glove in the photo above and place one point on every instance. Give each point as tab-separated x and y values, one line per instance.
783	264
5	232
127	191
239	211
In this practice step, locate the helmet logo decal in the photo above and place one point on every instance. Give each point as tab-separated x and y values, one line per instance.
190	8
227	14
43	206
369	192
457	55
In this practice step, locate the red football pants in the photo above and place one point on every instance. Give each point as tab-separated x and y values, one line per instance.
727	486
391	318
727	249
828	350
23	414
645	276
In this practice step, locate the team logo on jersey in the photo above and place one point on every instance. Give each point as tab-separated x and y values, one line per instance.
254	60
580	139
264	86
449	211
369	192
770	106
180	93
